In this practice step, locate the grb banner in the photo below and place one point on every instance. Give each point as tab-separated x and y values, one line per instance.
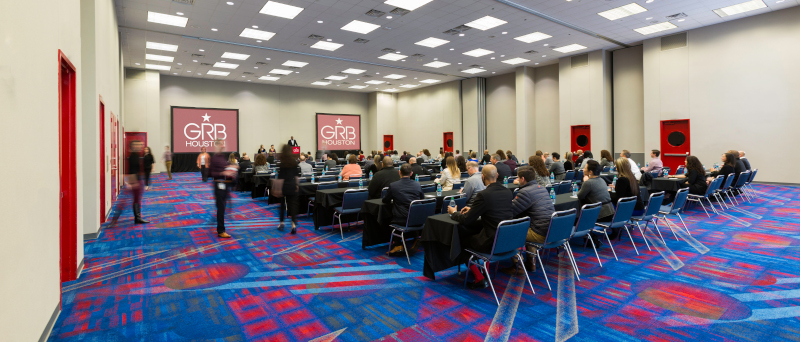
338	132
194	128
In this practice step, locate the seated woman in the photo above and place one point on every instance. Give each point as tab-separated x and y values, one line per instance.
539	170
606	160
351	169
271	158
261	164
474	157
333	159
450	175
728	167
626	185
695	177
568	161
461	163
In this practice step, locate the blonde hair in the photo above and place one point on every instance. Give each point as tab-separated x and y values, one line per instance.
451	165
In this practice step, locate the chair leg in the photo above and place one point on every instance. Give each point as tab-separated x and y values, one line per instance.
703	206
391	238
543	271
403	238
670	227
721	201
341	230
684	223
595	251
642	232
655	224
490	283
731	198
466	274
610	245
574	264
521	262
631	237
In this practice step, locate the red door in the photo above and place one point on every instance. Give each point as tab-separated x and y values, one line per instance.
675	143
114	158
67	161
581	139
388	143
448	142
103	159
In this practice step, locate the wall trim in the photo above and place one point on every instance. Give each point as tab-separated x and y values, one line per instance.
92	236
80	268
49	327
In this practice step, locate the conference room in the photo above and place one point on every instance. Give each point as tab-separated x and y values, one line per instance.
400	170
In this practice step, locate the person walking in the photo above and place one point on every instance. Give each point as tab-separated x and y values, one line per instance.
147	166
167	158
288	175
223	174
203	160
133	179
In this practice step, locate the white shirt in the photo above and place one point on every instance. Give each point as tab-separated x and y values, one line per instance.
202	160
635	169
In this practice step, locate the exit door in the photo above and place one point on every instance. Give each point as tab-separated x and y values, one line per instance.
388	143
103	161
67	155
675	143
448	141
581	139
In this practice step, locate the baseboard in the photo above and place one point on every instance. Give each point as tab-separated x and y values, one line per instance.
92	236
777	183
80	268
49	327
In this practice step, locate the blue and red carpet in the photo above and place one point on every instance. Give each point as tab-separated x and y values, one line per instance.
736	278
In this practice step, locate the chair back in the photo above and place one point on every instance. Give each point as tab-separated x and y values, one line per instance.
564	187
680	170
666	169
743	178
562	226
606	168
424	178
655	173
461	201
510	235
714	185
511	179
680	201
589	215
419	211
464	175
327	186
458	185
353	182
752	175
332	172
728	181
570	175
354	198
327	178
429	187
579	176
624	211
551	187
384	191
653	205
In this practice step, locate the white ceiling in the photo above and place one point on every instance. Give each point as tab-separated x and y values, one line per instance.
399	33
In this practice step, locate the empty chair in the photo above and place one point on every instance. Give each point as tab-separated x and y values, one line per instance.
558	234
569	176
458	185
588	217
320	186
649	215
747	185
508	240
461	202
384	191
621	219
327	179
712	188
422	178
418	212
675	209
352	200
606	168
429	187
564	187
681	169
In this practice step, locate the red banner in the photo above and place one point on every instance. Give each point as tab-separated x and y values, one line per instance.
338	132
296	149
195	128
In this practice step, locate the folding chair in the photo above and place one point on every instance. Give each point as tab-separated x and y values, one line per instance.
461	202
588	217
748	186
458	185
353	182
384	191
578	177
712	188
564	187
569	175
739	186
649	215
508	240
352	200
681	169
418	212
320	186
559	232
724	190
621	218
606	168
423	178
675	209
429	187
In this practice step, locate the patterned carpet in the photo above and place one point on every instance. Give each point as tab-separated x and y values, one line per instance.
736	278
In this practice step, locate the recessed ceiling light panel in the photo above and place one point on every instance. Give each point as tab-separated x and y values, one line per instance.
281	72
486	23
740	8
478	52
157	67
239	56
533	37
436	64
354	71
281	10
360	27
269	78
514	61
391	90
357	87
226	65
335	77
570	48
393	56
375	82
295	64
256	34
429	81
162	47
409	86
326	46
218	73
159	58
432	42
407	4
473	71
320	83
622	11
656	28
394	76
166	19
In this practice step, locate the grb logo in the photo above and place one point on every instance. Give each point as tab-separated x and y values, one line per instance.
204	134
338	135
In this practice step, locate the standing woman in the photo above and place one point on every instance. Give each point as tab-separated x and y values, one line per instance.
203	162
568	161
147	163
695	177
289	174
133	179
167	157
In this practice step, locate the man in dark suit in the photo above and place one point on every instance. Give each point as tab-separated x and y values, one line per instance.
402	193
492	205
292	142
417	168
503	170
387	175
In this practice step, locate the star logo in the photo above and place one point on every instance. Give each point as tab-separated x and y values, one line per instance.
338	121
206	117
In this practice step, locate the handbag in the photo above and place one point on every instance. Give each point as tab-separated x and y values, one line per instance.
277	188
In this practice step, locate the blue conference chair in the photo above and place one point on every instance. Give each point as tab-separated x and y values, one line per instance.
423	178
508	240
384	191
569	176
675	209
710	191
352	200
457	186
327	179
578	177
559	232
621	219
511	179
606	168
586	220
549	187
429	187
739	187
461	202
418	212
747	185
667	169
464	175
353	182
564	187
650	215
724	190
320	186
681	169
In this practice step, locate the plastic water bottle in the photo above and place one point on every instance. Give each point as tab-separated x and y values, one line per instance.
552	178
416	178
646	164
326	168
438	190
666	173
340	178
452	203
614	183
370	175
553	196
505	181
574	190
312	178
361	183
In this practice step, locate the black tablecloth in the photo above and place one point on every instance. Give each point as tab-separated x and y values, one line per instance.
665	184
442	244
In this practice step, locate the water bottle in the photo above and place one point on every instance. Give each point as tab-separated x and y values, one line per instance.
416	178
553	196
552	178
370	175
452	203
361	183
665	172
340	178
505	181
326	168
438	190
312	178
614	183
646	164
574	190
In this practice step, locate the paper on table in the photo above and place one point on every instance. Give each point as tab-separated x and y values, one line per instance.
430	196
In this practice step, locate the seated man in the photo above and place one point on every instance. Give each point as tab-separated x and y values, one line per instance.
245	163
402	193
557	167
503	170
387	175
305	168
417	168
474	183
492	206
655	162
532	200
745	161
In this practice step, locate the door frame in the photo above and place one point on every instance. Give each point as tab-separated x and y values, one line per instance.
68	221
391	139
102	174
662	139
572	142
444	142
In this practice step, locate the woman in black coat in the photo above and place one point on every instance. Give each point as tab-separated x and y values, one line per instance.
695	177
728	168
289	173
147	163
568	162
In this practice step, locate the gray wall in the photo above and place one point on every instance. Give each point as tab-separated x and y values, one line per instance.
629	101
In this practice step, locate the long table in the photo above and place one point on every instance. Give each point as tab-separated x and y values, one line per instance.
442	243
